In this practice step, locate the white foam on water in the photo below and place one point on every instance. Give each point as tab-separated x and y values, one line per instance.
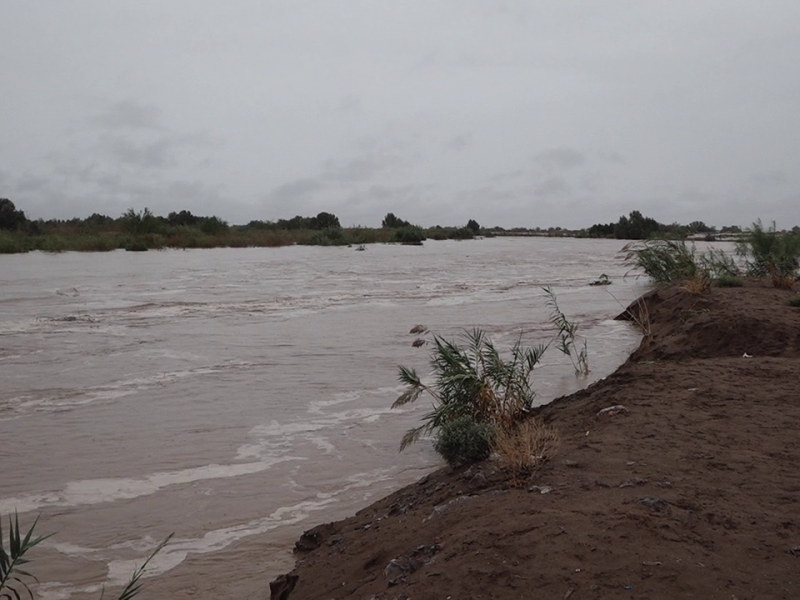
177	550
322	443
316	406
60	400
96	491
55	590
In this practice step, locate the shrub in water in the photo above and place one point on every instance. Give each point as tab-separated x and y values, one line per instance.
794	301
463	441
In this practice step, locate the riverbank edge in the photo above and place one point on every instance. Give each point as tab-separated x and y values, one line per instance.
683	332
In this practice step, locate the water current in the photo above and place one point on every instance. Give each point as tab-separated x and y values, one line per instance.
236	397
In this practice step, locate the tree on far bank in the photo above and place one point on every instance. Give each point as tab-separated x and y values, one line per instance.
635	227
390	221
325	220
10	217
473	225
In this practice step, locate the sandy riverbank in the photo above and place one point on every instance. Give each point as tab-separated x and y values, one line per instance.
692	491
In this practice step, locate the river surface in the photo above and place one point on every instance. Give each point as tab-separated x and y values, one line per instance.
237	397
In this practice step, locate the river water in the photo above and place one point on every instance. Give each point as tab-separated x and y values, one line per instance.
236	397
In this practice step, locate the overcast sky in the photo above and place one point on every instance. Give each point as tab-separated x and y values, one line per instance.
514	113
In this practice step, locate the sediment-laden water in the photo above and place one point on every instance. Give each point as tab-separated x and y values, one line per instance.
239	396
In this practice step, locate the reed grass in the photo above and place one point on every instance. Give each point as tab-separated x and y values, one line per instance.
566	336
473	381
768	253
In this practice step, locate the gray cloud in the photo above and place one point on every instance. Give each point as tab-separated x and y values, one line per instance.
561	158
502	111
552	186
459	142
770	178
129	115
296	190
151	155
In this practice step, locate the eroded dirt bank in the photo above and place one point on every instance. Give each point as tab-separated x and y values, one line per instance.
692	491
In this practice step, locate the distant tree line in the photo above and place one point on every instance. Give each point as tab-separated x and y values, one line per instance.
636	226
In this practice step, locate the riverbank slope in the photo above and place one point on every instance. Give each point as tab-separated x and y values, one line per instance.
691	490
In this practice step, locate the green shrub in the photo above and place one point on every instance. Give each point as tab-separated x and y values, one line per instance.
717	263
662	260
475	382
768	253
665	261
409	235
463	441
136	247
11	244
794	301
729	281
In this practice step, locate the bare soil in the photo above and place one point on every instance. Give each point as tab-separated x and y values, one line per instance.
691	491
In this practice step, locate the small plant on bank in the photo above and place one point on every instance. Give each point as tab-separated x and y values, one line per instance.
794	301
663	261
463	441
768	253
525	447
566	336
699	284
473	382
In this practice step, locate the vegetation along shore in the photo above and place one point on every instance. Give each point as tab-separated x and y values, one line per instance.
142	230
673	477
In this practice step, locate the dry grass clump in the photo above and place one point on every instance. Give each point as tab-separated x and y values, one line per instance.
700	283
522	449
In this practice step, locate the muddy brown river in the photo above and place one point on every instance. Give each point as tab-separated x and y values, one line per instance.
236	397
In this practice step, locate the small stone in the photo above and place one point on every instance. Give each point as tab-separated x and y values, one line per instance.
656	504
632	483
610	411
393	569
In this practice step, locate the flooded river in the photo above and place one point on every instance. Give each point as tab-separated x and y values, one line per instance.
236	397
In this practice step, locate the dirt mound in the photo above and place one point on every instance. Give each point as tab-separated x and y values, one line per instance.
690	490
724	322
